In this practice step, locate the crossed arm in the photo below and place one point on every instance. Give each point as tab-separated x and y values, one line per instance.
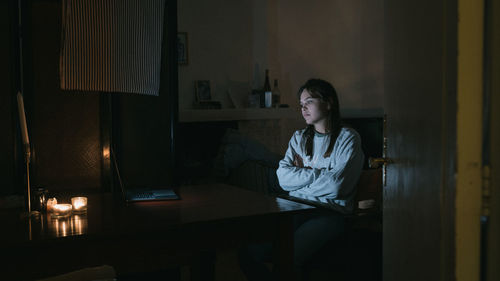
331	182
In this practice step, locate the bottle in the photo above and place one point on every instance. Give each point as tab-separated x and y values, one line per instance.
39	200
267	85
267	91
276	94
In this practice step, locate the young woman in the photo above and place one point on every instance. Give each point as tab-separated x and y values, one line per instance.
323	163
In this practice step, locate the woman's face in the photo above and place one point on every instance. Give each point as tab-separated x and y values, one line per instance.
314	111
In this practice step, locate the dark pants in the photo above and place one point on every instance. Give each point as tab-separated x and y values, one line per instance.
311	232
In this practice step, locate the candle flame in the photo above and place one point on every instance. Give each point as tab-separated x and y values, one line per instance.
79	203
62	207
105	152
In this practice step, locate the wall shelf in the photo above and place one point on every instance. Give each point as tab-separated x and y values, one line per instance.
233	114
209	115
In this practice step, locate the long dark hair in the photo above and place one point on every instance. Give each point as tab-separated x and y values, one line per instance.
323	90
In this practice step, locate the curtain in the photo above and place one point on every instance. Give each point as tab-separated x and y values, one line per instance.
112	45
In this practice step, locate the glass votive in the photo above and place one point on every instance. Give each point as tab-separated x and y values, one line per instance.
61	210
39	202
79	204
50	204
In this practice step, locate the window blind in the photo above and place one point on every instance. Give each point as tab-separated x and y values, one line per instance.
112	45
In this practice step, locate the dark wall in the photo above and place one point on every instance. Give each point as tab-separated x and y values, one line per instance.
71	131
7	56
65	126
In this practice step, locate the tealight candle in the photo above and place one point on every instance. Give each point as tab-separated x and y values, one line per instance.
79	204
61	210
50	204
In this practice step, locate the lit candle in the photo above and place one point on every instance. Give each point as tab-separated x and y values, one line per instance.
22	118
50	204
61	210
79	204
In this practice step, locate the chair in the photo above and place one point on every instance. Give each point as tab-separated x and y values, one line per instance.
357	254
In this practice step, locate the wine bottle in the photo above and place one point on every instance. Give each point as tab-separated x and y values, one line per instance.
267	91
276	94
267	85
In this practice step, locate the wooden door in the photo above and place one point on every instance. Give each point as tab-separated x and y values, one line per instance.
420	69
492	243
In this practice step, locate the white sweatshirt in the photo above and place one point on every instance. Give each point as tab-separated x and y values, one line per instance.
331	180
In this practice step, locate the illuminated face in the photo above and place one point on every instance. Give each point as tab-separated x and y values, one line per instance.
314	111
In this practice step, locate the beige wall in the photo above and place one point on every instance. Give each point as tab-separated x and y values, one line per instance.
340	41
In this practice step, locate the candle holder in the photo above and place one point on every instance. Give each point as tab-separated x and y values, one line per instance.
61	211
50	204
79	205
39	200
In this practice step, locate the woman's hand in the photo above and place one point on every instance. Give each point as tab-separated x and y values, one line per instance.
298	162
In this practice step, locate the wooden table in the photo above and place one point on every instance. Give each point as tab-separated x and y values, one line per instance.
147	236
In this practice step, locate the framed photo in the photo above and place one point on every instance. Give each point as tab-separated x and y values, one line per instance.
202	90
182	48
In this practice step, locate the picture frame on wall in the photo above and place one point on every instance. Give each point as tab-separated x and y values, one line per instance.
182	48
202	90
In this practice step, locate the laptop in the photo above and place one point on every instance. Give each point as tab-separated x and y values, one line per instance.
149	194
143	194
